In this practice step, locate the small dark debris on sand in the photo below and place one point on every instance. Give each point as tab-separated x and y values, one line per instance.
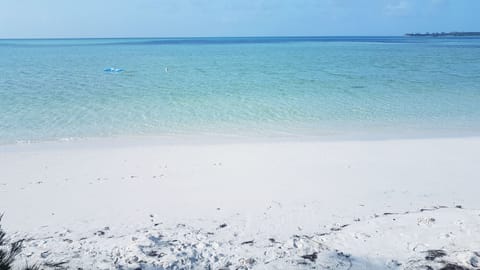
55	264
343	255
474	261
451	266
248	242
434	254
154	253
99	233
336	229
395	263
433	209
311	257
222	226
44	254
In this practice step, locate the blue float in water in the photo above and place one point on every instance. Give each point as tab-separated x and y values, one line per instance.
113	70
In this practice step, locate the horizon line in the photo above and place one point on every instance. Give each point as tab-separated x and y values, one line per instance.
184	37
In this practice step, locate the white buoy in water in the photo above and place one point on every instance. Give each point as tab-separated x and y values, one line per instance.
113	70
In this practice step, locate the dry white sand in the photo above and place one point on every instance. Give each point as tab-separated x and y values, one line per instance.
340	204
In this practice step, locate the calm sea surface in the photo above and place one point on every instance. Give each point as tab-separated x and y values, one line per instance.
268	87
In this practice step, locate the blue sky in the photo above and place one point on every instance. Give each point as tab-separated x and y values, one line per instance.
166	18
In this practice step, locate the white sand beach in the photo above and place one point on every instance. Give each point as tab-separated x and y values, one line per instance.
145	204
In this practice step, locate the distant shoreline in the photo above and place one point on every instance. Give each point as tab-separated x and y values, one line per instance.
444	34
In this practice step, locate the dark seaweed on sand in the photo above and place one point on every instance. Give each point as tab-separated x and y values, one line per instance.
8	252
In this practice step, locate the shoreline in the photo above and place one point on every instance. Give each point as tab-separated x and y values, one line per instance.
223	139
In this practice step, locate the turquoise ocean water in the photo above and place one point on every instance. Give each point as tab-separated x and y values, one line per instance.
269	87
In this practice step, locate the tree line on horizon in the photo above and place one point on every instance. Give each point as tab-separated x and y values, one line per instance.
443	34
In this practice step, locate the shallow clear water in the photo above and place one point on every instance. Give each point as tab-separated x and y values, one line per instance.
386	87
